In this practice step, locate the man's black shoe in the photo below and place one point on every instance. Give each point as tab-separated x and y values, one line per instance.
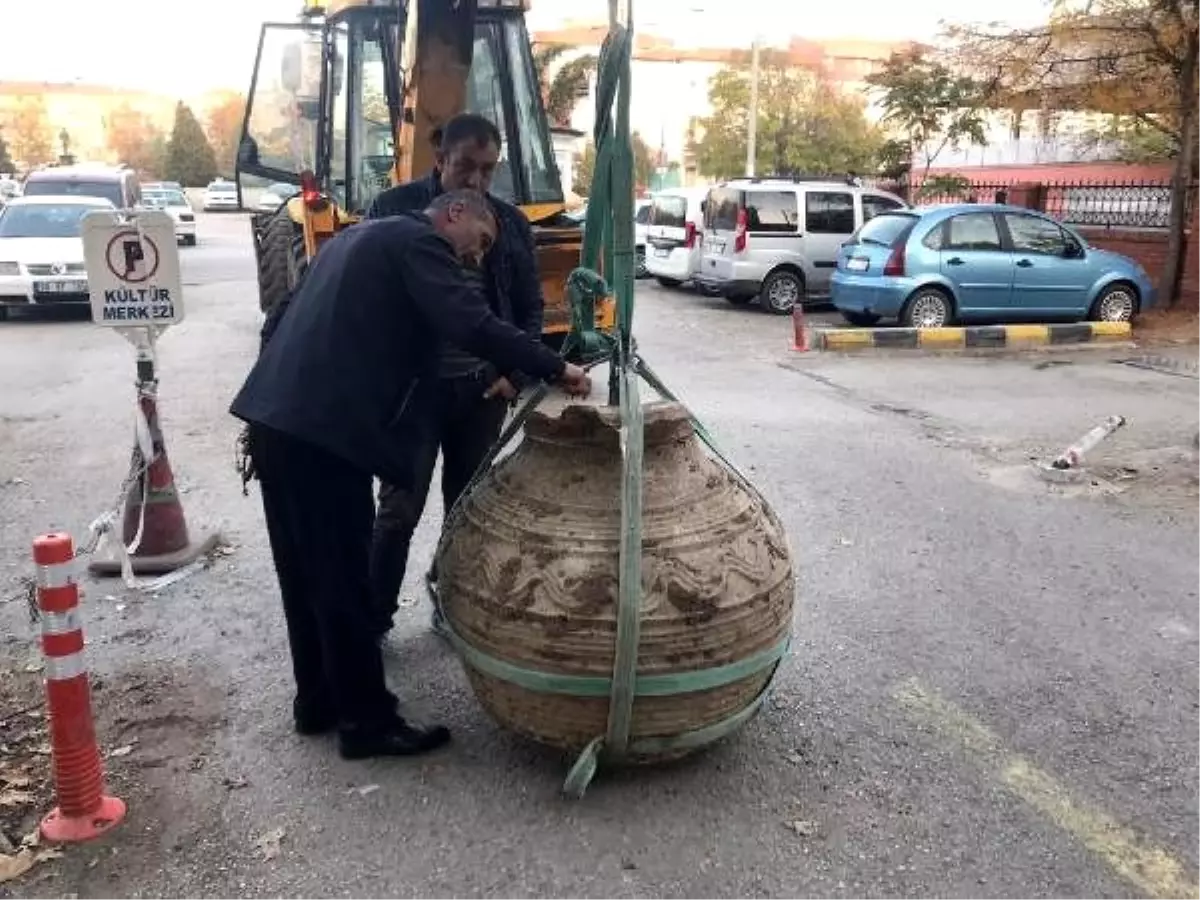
312	720
396	738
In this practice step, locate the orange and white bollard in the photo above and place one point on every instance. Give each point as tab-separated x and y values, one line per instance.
83	811
799	332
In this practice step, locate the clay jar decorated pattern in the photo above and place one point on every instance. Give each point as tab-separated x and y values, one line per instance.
529	577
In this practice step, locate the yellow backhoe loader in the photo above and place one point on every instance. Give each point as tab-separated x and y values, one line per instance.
343	103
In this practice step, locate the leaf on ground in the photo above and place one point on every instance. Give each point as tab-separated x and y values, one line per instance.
16	781
121	751
794	757
35	666
15	866
363	790
268	845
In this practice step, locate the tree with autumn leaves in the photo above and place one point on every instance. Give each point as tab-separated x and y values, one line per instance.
1136	60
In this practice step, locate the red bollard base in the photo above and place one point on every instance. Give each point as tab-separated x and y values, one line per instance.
60	829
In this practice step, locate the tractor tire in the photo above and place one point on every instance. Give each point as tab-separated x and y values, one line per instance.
281	260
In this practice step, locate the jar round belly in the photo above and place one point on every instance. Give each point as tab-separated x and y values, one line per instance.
528	580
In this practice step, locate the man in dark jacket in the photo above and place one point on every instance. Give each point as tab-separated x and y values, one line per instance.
330	402
473	396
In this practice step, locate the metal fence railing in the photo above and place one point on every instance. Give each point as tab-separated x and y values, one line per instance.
1103	204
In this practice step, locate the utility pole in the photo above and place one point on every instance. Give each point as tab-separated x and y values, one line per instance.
752	120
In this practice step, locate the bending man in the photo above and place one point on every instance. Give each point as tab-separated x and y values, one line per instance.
332	403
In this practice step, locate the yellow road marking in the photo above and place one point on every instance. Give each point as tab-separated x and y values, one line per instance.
1112	330
1026	334
1152	870
941	337
835	338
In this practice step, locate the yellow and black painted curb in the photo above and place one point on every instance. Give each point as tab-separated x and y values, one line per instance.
970	337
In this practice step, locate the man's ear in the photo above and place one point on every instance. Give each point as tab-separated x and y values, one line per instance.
455	211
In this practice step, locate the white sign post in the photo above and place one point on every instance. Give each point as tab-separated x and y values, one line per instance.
133	270
133	277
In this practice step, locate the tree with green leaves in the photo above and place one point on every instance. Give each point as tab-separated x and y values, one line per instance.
1137	60
805	125
6	161
932	106
563	90
643	166
190	157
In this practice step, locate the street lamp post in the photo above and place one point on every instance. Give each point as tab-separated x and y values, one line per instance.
752	119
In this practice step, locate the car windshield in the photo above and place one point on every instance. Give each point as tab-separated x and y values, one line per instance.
173	198
72	187
721	209
885	228
43	220
669	211
221	186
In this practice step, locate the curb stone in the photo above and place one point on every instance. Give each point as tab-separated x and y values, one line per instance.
974	337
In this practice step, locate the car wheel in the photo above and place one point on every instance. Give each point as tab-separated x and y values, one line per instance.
639	263
1116	303
669	282
781	291
928	308
740	299
861	319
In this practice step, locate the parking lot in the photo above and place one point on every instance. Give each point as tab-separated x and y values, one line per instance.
992	689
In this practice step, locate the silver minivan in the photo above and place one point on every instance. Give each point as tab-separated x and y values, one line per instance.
776	240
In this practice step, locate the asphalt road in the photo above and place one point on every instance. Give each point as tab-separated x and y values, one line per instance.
992	692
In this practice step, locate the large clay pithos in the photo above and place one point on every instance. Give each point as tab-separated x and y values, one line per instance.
529	584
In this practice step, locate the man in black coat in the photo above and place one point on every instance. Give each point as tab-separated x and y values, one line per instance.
473	395
330	403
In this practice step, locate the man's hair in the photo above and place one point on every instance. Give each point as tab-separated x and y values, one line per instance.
468	128
475	203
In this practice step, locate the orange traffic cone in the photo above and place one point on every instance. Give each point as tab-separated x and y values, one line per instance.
154	526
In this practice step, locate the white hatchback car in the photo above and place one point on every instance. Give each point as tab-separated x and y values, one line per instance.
221	195
41	250
176	205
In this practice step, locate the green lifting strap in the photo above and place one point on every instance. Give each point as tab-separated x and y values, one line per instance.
666	685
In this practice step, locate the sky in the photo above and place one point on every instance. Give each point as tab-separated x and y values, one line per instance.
205	45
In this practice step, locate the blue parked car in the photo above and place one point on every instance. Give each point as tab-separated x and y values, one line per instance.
936	266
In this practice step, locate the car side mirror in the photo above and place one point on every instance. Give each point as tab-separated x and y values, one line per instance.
1073	251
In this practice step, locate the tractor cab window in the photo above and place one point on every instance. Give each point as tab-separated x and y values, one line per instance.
503	88
280	138
542	181
485	96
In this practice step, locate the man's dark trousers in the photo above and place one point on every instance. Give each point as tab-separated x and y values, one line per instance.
318	511
464	428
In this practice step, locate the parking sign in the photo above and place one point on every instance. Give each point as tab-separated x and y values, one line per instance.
133	269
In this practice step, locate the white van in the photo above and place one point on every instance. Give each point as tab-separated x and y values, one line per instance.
776	240
675	235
